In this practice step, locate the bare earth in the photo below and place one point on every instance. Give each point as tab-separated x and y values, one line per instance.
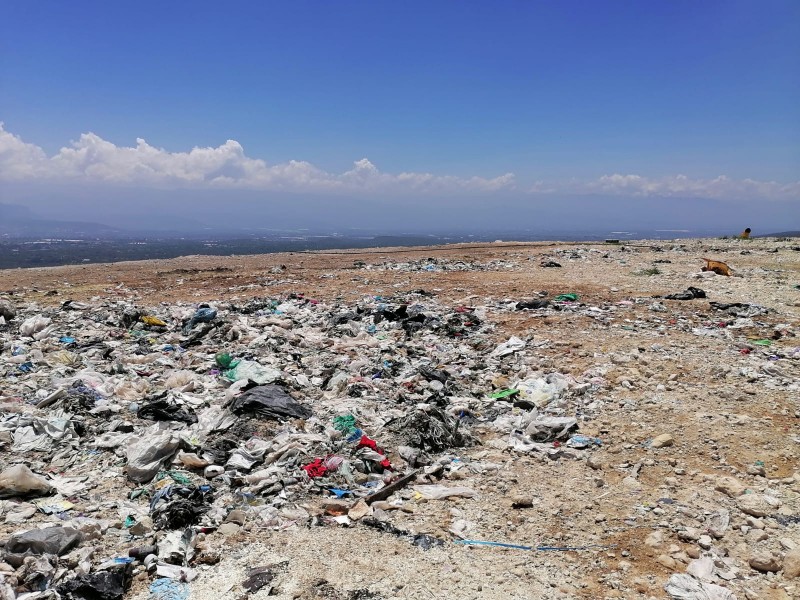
674	372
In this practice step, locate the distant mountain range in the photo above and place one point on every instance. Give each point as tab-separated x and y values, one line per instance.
20	221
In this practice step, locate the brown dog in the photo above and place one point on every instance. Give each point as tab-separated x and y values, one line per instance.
720	268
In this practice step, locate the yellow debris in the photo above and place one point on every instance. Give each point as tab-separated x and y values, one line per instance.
155	321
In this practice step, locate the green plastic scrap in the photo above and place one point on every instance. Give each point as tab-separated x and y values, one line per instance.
129	522
504	394
223	359
571	297
176	477
762	342
345	423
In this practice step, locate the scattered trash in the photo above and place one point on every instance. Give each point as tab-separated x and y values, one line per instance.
690	294
50	540
143	439
269	402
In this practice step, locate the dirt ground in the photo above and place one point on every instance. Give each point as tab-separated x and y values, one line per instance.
677	371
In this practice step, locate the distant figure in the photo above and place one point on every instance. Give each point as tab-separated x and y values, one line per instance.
745	235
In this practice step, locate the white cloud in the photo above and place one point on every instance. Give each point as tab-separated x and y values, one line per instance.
722	187
92	159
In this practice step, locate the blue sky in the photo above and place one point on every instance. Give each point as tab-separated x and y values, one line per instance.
563	92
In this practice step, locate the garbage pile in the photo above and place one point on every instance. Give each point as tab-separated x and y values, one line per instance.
129	432
434	264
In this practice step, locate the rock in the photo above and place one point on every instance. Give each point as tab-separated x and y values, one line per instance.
718	523
655	539
666	561
142	527
756	535
791	564
689	534
228	529
757	505
730	486
693	552
704	542
701	568
787	544
599	518
521	502
766	563
685	587
360	510
236	516
662	441
594	462
7	310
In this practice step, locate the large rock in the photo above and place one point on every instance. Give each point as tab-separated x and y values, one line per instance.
757	505
7	310
730	486
791	564
766	563
662	441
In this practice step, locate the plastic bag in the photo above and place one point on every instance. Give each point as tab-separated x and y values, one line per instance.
51	540
148	452
441	492
255	372
33	325
20	481
271	402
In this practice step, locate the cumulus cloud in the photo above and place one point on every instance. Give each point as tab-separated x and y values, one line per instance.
677	186
93	159
680	185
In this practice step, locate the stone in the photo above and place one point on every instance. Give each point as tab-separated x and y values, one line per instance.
730	486
765	563
666	561
756	535
359	510
701	568
521	501
594	463
654	540
7	310
236	516
689	534
228	529
757	505
142	527
693	551
718	523
791	564
704	542
662	441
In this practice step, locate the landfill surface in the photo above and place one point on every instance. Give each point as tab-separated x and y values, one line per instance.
519	421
